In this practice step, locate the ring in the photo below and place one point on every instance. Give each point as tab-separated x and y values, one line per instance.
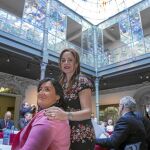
53	115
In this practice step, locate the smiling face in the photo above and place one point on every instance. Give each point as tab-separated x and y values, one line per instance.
28	116
26	105
47	95
68	63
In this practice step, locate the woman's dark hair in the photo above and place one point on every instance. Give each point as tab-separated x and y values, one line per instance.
77	71
58	89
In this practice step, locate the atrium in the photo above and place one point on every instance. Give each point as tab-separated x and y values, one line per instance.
111	36
97	11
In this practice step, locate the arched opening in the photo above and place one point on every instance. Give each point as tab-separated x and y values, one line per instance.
142	97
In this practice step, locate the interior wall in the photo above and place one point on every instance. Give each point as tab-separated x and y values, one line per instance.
15	7
113	96
115	44
147	31
20	87
31	94
94	105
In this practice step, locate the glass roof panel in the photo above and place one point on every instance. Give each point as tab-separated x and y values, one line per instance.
96	11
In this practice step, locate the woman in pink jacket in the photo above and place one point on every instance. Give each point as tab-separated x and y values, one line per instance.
41	133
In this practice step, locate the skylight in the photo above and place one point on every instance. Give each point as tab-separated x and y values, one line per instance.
96	11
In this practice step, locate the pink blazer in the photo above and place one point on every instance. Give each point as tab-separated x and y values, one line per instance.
44	134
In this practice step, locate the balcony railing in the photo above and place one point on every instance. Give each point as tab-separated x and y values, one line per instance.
19	28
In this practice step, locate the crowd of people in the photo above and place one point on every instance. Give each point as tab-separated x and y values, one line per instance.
63	120
26	113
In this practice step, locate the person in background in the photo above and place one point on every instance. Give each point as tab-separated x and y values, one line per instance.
93	118
129	131
146	123
103	125
103	134
33	109
109	126
41	133
97	127
24	121
77	94
6	122
25	107
147	111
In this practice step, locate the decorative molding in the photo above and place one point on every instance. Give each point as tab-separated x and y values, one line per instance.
16	83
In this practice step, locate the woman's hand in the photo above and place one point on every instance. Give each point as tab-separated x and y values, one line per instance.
56	113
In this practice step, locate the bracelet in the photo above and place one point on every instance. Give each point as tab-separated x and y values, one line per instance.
70	116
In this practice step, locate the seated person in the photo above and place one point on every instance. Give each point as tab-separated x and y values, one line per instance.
109	126
7	122
24	121
129	132
41	133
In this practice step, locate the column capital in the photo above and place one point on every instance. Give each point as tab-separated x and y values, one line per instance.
97	79
43	65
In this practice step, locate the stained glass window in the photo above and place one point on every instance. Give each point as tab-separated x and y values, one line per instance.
34	12
125	31
136	27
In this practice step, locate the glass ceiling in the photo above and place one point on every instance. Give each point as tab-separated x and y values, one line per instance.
96	11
